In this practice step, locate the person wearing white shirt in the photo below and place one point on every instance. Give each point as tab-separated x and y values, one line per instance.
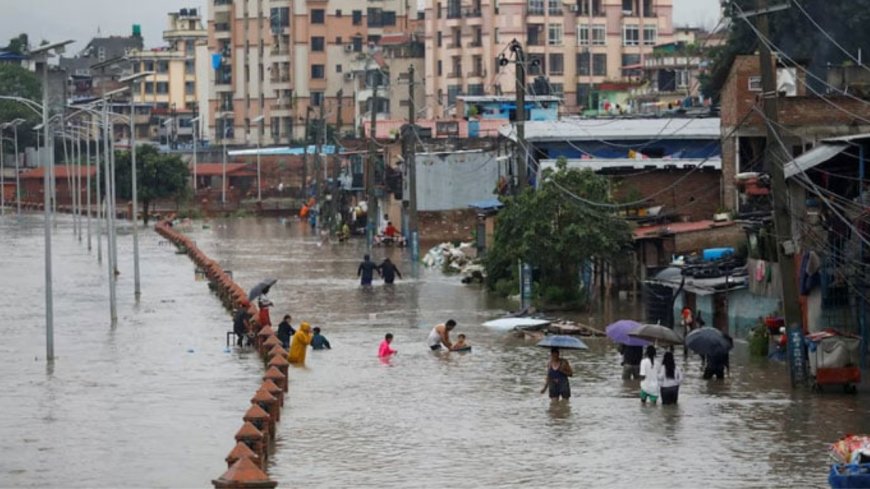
649	380
669	376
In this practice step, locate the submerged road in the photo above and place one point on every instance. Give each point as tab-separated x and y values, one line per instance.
154	401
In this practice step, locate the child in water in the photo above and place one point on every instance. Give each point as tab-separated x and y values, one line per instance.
461	344
384	351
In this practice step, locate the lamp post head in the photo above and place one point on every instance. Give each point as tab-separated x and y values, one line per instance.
46	49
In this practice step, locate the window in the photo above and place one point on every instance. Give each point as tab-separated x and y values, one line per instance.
456	62
475	89
338	68
162	88
190	67
338	12
316	99
163	67
456	35
682	77
317	16
317	72
599	64
495	35
101	54
582	64
279	18
557	89
338	40
649	35
754	84
438	68
148	66
440	38
535	34
388	18
476	66
189	88
598	35
149	87
357	44
317	44
453	91
557	63
374	17
554	7
554	34
356	16
476	36
628	7
536	7
630	35
537	64
438	10
630	59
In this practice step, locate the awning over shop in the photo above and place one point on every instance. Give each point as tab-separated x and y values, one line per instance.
813	158
598	164
672	277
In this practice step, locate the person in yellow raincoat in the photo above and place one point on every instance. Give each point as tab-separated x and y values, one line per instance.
299	345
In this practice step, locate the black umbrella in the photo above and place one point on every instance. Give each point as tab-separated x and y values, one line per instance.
261	288
707	341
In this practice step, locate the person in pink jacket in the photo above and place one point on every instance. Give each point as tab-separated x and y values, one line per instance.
384	351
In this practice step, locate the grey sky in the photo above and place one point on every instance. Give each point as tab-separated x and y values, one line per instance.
79	19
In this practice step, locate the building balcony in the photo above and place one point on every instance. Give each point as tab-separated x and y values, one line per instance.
223	86
281	109
225	34
280	54
223	6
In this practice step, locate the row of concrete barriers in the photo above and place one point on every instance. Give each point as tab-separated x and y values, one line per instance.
247	462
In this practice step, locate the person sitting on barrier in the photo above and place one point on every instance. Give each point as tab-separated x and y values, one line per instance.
263	317
319	342
285	331
299	345
241	324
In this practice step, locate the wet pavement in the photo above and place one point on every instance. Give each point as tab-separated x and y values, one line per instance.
132	406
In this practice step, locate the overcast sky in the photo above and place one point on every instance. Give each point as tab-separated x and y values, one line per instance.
80	19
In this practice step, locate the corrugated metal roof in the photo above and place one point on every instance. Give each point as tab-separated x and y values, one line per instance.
597	164
619	129
813	157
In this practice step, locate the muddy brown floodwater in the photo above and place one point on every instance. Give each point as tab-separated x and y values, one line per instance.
155	401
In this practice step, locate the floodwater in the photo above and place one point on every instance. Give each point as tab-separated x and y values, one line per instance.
155	401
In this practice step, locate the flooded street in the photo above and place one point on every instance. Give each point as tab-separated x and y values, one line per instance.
155	401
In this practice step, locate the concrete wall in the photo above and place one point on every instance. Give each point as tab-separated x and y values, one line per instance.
447	181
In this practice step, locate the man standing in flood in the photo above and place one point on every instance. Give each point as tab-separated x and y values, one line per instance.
389	271
440	335
366	271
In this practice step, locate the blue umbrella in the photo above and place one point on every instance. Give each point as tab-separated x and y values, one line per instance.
562	342
618	332
707	341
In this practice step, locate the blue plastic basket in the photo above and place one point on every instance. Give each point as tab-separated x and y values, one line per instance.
851	476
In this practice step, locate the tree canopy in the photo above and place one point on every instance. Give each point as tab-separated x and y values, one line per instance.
159	176
791	30
16	81
556	234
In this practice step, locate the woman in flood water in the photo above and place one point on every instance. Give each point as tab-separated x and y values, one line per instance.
558	371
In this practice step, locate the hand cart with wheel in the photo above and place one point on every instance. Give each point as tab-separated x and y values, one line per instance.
835	359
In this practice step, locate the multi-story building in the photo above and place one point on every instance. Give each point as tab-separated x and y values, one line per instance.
275	59
171	89
98	66
574	44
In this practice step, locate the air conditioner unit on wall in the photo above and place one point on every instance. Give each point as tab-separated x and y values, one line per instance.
348	77
575	8
348	48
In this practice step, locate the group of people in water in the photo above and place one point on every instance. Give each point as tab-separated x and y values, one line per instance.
387	270
295	341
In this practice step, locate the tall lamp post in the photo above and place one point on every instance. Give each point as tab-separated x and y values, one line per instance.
258	120
224	135
130	81
43	53
15	125
195	123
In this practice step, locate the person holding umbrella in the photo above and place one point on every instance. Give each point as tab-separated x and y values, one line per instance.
558	371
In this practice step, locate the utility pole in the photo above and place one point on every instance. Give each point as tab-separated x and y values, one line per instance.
319	165
776	159
411	168
520	63
335	208
305	156
373	212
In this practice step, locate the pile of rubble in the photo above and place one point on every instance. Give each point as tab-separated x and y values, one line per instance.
460	259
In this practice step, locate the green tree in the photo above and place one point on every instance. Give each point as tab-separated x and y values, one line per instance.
555	233
798	38
16	81
160	176
18	45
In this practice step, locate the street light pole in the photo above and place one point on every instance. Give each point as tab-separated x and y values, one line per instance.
224	163
195	122
258	120
15	124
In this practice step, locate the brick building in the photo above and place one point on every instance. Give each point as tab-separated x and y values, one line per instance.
806	119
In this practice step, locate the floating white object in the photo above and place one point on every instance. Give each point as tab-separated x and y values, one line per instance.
507	324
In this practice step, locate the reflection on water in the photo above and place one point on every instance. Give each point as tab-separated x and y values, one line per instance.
133	399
